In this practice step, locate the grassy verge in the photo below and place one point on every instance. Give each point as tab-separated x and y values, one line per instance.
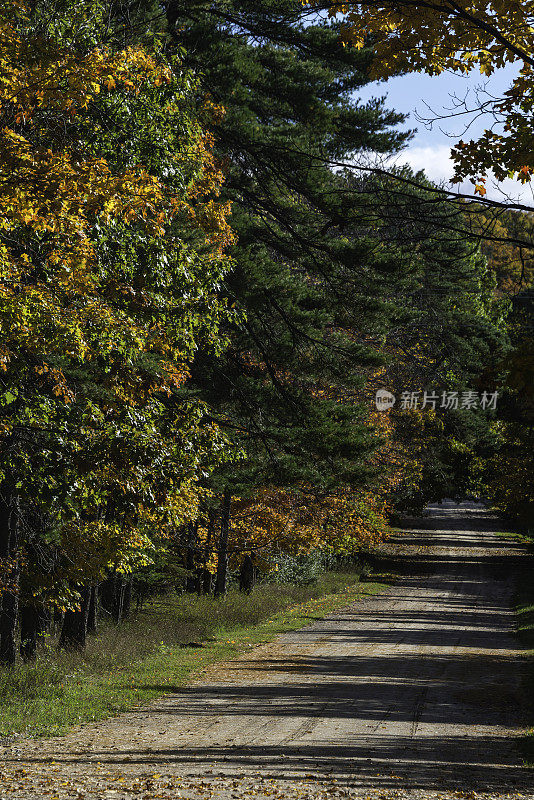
157	650
516	537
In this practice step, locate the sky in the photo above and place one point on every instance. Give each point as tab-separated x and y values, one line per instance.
426	96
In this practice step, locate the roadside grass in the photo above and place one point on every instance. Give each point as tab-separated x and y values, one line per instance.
524	608
522	538
157	650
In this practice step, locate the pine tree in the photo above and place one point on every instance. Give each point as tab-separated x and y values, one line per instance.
452	339
303	288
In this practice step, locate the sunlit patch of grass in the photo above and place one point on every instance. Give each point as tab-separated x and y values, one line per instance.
157	650
523	538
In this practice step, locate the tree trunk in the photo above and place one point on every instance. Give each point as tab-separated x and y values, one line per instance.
113	595
9	522
222	556
247	574
126	597
74	630
206	581
45	619
107	595
191	584
30	628
92	614
57	620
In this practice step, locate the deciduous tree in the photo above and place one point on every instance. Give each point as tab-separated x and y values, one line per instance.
112	242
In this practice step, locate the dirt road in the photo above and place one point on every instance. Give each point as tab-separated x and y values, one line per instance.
411	693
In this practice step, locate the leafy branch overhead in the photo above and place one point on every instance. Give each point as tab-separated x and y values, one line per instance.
446	35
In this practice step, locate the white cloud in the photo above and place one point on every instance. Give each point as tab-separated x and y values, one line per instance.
438	166
435	161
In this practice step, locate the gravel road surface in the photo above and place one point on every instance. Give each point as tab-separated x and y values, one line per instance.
413	693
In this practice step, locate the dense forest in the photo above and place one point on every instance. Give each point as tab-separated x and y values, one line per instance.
204	285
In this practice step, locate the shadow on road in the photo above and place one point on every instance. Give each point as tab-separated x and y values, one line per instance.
417	689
